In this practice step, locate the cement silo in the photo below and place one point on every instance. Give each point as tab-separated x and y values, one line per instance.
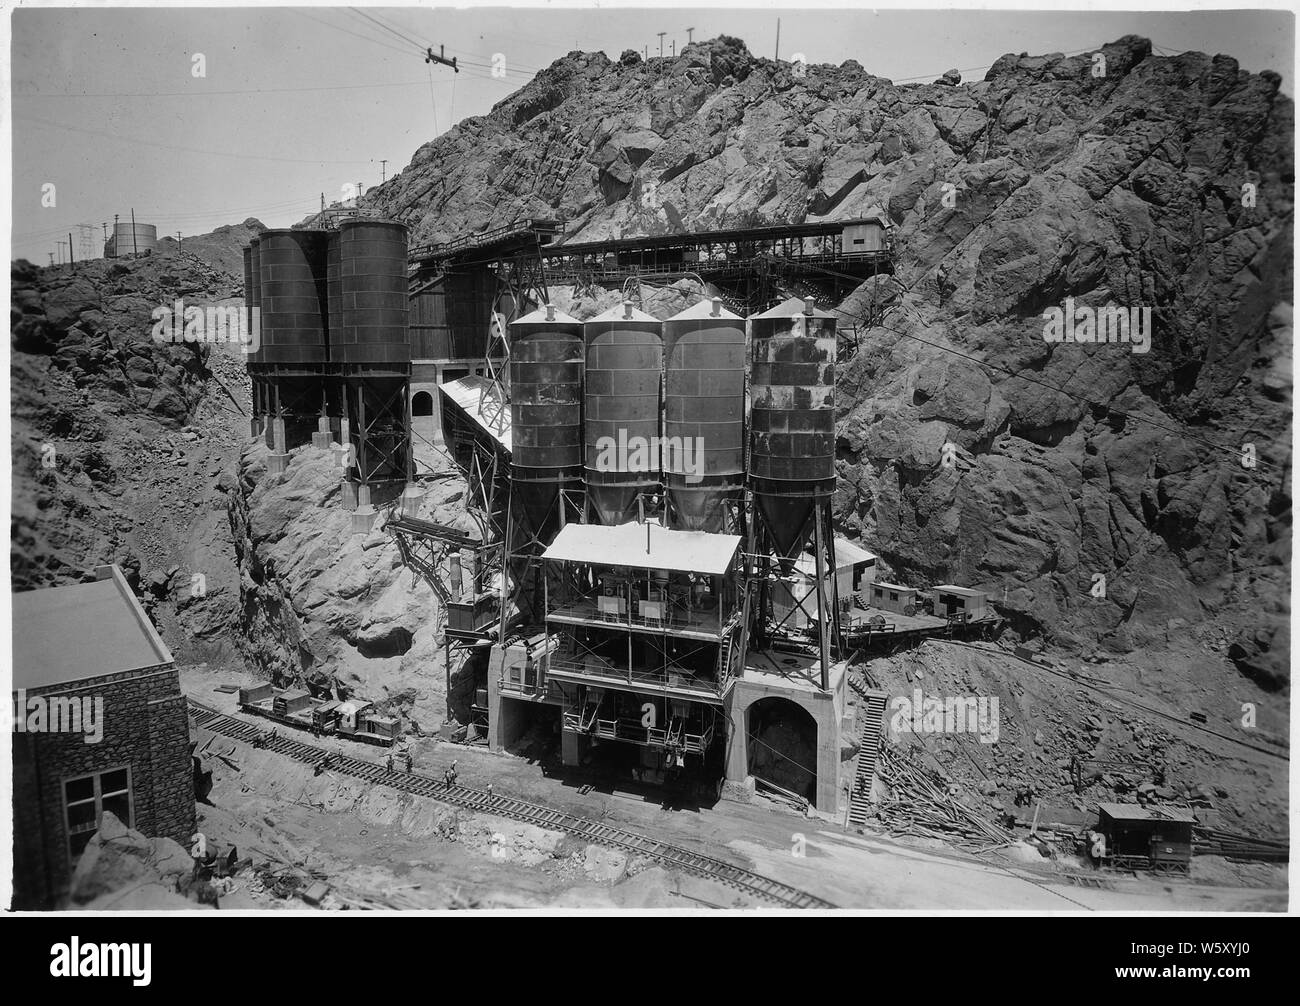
293	301
546	358
792	420
373	303
624	359
704	414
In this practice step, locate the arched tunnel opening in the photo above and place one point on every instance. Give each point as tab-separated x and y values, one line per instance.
782	745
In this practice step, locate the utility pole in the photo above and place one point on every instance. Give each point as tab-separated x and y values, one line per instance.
71	261
358	202
661	43
690	35
135	241
178	242
674	49
51	255
383	172
429	57
778	39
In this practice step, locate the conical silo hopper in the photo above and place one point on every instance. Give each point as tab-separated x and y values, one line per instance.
792	419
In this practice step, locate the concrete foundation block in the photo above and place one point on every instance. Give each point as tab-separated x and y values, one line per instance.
277	464
321	441
255	427
739	791
349	494
363	519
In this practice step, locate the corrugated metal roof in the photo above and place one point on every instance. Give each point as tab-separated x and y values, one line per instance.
625	545
1140	812
472	394
952	588
83	630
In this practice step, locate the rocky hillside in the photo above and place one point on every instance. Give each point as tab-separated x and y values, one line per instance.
221	249
1097	492
122	447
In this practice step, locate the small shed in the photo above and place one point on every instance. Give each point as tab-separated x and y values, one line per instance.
791	597
950	600
863	237
892	597
1139	835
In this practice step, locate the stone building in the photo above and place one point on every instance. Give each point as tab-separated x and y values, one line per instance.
99	723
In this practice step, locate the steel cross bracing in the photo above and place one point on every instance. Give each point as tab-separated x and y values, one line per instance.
671	856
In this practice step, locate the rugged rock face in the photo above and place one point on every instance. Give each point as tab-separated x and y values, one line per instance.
322	605
120	444
1117	178
221	249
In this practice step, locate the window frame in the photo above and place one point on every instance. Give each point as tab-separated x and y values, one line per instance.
97	799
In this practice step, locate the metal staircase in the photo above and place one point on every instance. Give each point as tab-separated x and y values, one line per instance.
873	717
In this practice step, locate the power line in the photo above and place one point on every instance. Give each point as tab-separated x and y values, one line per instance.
204	94
397	34
190	150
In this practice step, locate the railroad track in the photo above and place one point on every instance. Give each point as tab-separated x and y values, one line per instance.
517	810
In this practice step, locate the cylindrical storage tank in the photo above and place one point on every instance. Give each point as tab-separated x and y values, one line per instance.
253	299
546	350
792	419
133	239
293	300
704	414
333	292
621	410
374	322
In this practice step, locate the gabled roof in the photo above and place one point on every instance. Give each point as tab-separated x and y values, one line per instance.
1140	812
83	630
625	545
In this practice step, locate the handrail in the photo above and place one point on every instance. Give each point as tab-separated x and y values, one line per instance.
680	678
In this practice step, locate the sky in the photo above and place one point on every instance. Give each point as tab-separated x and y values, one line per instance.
296	102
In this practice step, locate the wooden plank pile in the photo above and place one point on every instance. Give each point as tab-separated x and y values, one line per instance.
921	803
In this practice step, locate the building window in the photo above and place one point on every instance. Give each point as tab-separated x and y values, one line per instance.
86	798
893	595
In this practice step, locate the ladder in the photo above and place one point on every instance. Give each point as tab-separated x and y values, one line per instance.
587	717
873	718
